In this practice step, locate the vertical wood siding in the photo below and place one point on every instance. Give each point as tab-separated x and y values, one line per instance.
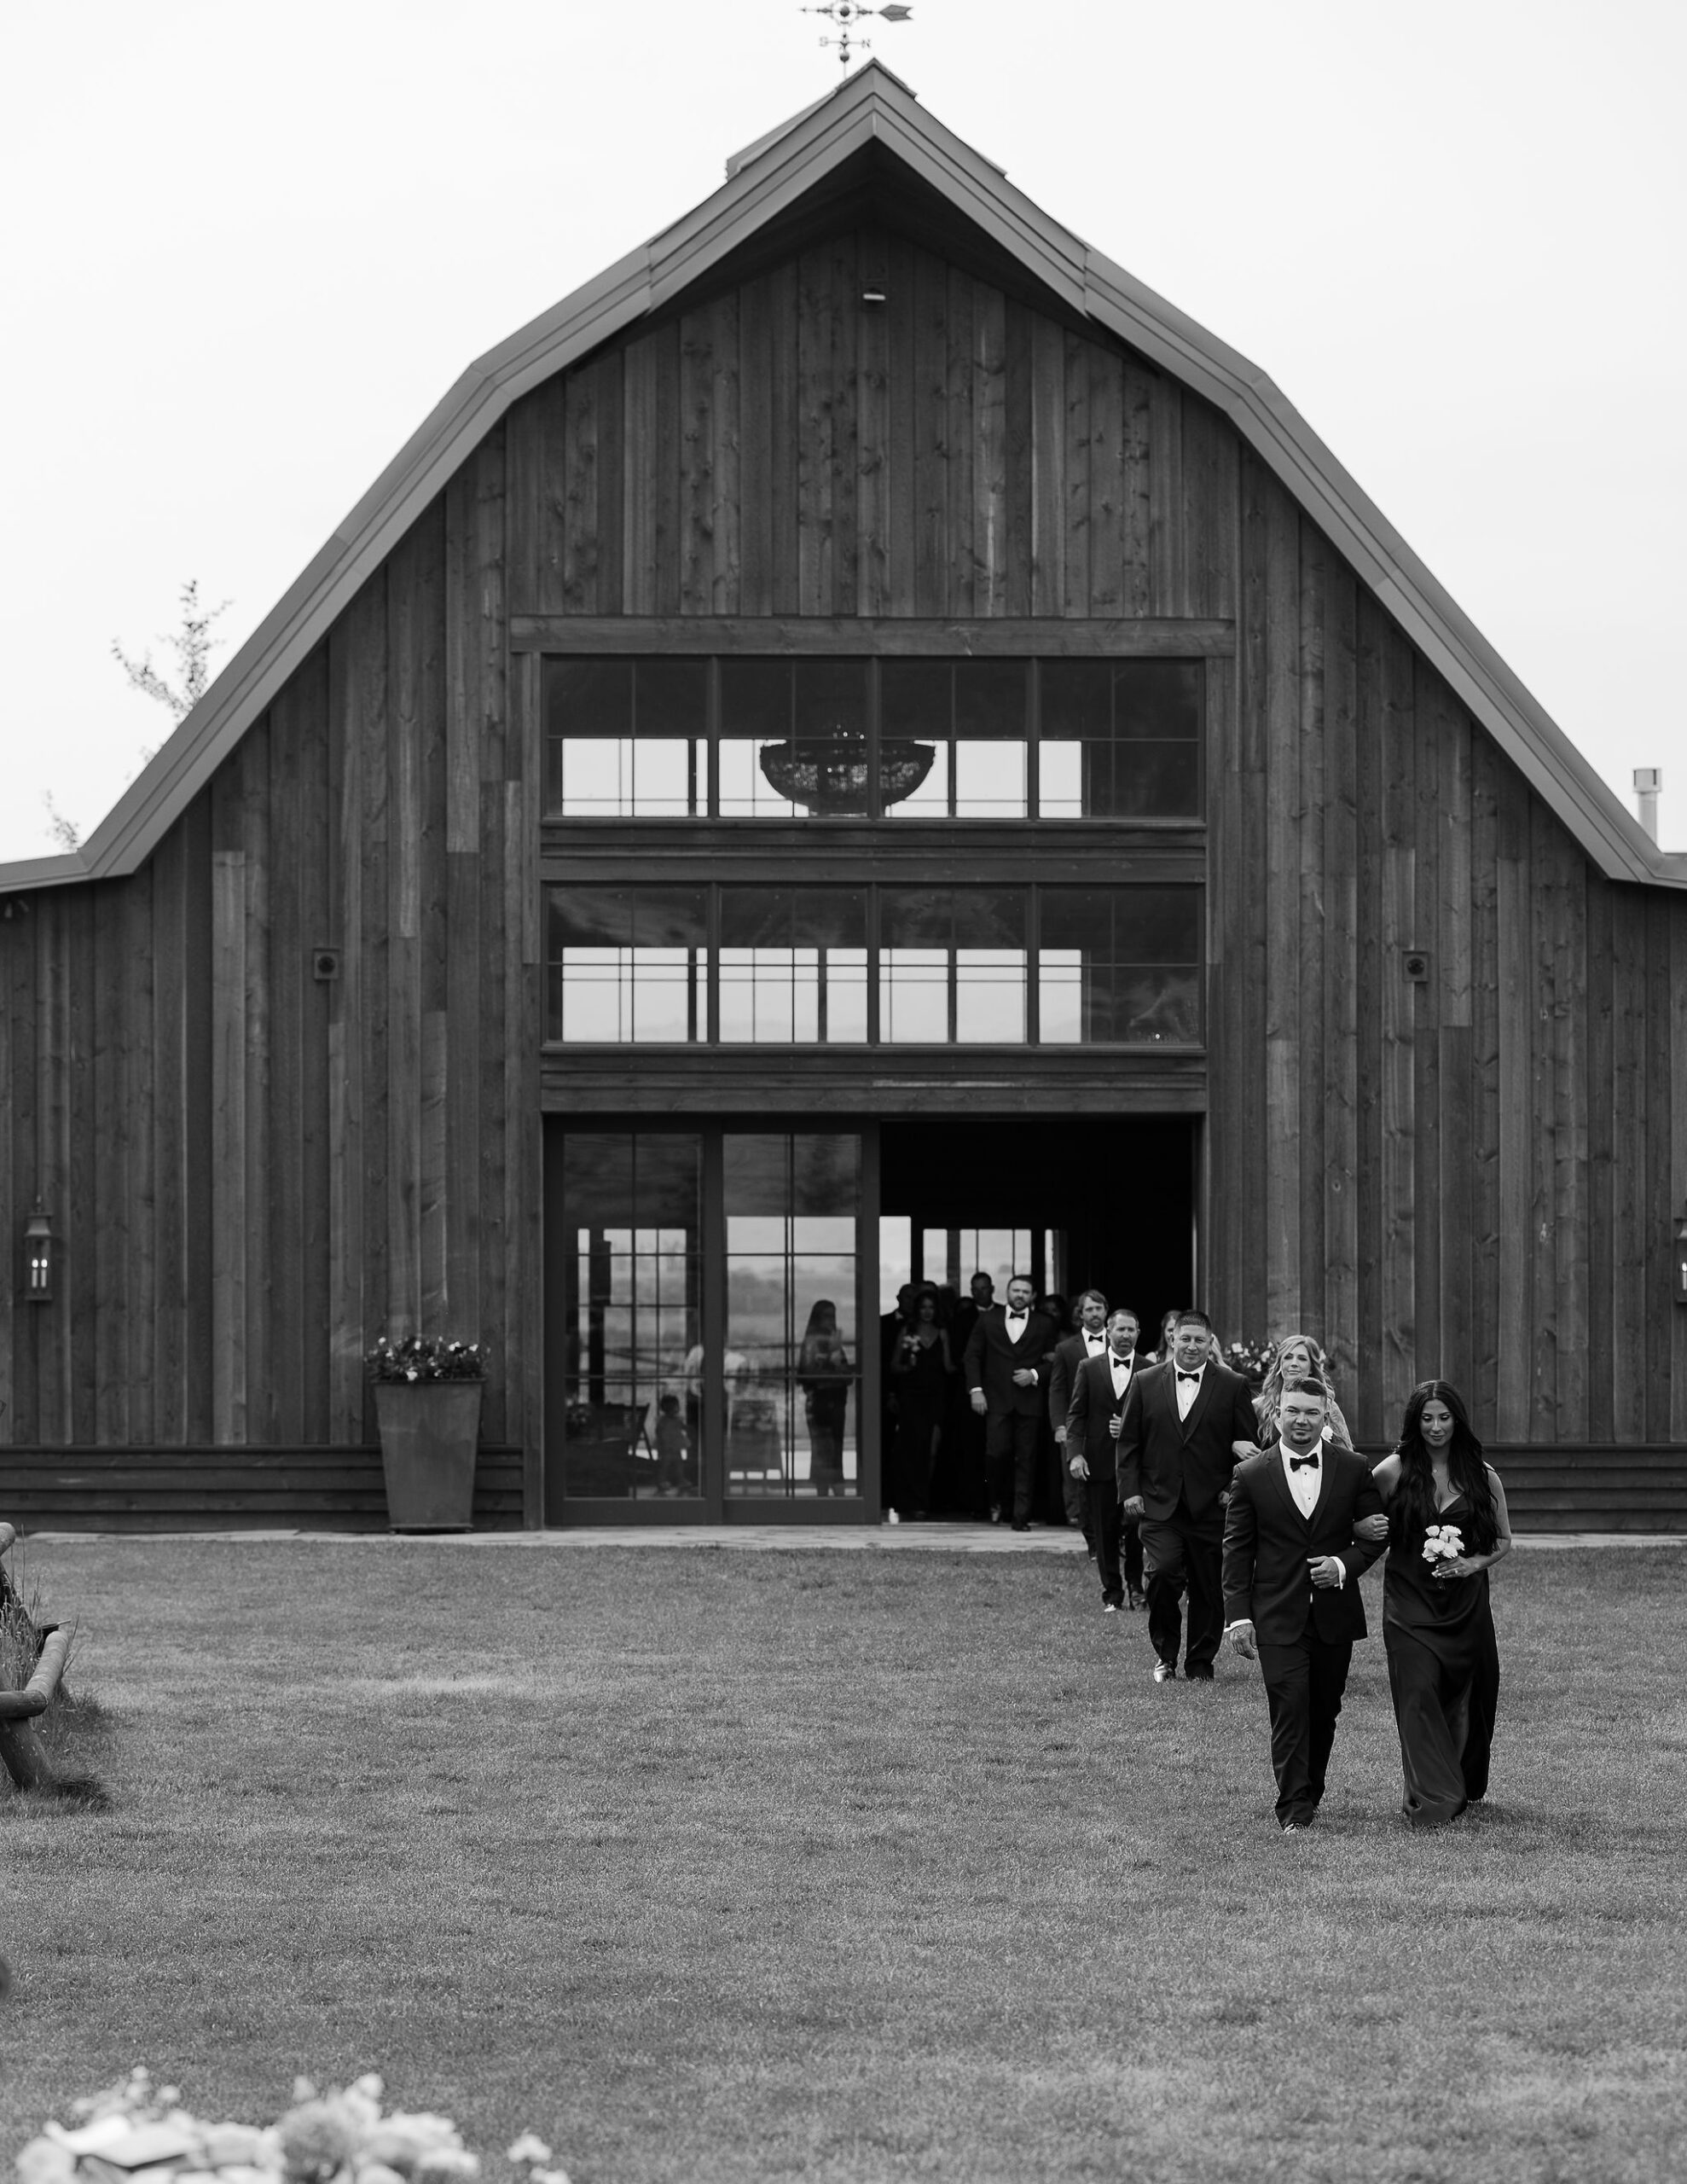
255	1171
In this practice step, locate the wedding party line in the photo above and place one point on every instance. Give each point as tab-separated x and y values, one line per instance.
1229	1515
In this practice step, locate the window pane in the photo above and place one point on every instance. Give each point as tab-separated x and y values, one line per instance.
1120	965
991	699
587	697
914	698
913	996
1156	780
989	917
670	698
626	964
989	996
632	1418
1120	739
1157	699
831	698
668	777
745	791
593	777
989	780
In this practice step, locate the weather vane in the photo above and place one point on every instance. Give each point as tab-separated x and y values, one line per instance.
845	13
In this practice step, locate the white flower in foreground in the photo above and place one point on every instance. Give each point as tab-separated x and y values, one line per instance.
530	2147
43	2161
548	2176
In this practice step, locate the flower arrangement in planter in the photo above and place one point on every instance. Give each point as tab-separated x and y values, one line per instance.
337	2137
422	1357
427	1402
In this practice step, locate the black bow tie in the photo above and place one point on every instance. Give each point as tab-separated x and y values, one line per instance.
1304	1463
1182	1375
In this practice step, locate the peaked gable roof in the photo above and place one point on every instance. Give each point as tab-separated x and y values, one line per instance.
870	107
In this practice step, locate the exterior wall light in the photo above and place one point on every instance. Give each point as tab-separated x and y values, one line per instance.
38	1257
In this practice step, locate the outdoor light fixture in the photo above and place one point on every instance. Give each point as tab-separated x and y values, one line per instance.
1681	1260
872	295
37	1243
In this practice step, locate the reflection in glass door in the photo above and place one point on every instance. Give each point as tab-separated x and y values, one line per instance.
793	1361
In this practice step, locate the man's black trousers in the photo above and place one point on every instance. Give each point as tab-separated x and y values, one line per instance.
1010	1459
1181	1551
1304	1683
1109	1532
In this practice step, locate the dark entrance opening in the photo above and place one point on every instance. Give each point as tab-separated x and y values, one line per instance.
1076	1202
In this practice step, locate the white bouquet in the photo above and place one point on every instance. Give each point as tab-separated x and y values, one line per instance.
1443	1543
136	2133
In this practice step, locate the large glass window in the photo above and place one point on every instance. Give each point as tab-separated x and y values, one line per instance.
633	1416
626	739
1120	966
793	965
797	738
972	717
793	738
1119	739
627	965
792	1359
952	966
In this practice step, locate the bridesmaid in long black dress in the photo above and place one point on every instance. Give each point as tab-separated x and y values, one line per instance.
1437	1622
921	1370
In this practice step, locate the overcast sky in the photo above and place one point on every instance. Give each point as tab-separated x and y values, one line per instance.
247	248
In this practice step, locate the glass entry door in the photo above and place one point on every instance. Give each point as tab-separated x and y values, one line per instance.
711	1328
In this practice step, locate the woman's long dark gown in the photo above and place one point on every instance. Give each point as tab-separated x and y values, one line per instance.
922	1404
1444	1672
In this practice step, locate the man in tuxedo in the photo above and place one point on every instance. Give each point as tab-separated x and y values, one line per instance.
1004	1374
1089	1341
1175	1460
1292	1562
1093	1422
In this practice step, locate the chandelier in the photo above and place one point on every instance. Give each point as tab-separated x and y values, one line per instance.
828	775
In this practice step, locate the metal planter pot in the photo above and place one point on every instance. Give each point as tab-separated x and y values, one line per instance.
429	1430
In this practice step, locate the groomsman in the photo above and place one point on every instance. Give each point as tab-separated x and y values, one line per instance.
1003	1373
1089	1341
1093	1427
1292	1564
1175	1460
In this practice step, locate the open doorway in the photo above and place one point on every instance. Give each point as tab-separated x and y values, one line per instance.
1075	1202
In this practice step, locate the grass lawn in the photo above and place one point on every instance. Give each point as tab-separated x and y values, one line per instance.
720	1865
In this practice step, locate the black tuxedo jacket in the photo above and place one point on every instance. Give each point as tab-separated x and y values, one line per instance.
1092	1406
1062	1374
1266	1542
992	1360
1162	1456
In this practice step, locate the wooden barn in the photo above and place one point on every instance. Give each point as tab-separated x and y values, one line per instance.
862	743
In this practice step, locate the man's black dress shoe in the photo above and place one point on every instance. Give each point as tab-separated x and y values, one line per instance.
1198	1675
1138	1600
1020	1526
1164	1671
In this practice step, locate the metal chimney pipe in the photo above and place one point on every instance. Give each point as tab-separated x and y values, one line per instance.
1648	780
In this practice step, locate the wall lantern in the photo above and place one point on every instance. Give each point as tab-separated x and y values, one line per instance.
1681	1260
38	1245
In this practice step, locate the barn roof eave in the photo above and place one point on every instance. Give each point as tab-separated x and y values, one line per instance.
870	106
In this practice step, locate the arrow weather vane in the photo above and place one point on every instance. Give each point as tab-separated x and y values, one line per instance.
844	12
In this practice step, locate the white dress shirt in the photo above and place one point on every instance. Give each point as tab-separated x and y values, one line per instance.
1122	1371
1303	1484
1094	1343
1187	1391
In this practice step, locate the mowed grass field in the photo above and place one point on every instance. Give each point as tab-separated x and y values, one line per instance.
714	1864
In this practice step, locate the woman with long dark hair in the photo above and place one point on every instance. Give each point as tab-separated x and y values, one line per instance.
1447	1527
824	1375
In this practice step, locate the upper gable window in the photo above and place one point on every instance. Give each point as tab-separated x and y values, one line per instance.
803	738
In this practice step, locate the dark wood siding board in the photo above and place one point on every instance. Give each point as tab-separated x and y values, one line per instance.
640	587
1516	1303
1572	1231
106	1177
1106	469
374	1019
1141	453
1453	970
902	312
257	820
726	550
140	1082
1431	730
843	313
195	826
1484	1192
408	633
535	434
345	1135
665	457
61	918
1600	1088
433	859
1076	514
282	1181
1545	1109
494	1242
228	942
1279	698
1628	1128
1662	1202
873	491
1371	924
960	451
1395	719
609	372
1167	570
475	618
1047	367
19	1182
1311	758
463	1077
1211	456
582	483
1250	939
1019	542
930	588
318	928
783	430
1677	1126
696	540
991	536
756	338
859	636
1341	972
817	397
